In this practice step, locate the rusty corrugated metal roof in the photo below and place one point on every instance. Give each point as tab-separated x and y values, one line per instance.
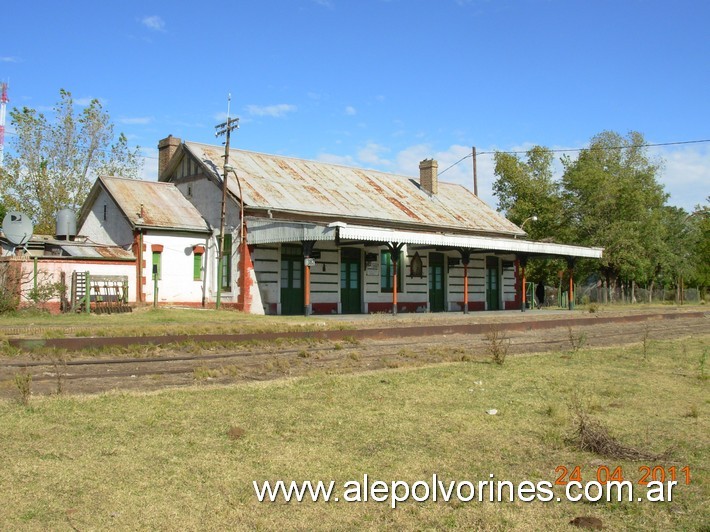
45	246
163	205
97	251
290	184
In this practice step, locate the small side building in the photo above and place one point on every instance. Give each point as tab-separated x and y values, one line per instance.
165	233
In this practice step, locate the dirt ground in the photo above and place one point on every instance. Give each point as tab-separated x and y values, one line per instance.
156	367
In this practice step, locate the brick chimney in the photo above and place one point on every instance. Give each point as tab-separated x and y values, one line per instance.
428	176
166	149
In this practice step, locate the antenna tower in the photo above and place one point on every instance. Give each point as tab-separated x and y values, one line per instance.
3	100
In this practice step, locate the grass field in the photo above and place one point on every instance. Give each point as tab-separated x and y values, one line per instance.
167	460
147	321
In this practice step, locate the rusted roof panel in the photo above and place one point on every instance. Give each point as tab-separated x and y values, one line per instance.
163	205
103	252
45	246
289	184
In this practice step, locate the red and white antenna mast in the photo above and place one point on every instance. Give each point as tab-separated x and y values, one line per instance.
3	101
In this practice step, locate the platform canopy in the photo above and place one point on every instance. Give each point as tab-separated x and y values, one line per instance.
267	231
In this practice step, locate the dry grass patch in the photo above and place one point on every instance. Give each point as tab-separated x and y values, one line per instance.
170	459
592	436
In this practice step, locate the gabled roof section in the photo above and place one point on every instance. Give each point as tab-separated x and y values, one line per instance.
288	184
149	204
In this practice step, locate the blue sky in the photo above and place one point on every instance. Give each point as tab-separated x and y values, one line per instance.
379	83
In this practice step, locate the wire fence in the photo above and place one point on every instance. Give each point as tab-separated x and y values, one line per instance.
584	295
626	295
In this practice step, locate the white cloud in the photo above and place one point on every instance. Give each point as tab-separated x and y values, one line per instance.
460	173
9	59
350	110
86	101
370	155
137	120
324	3
275	111
344	160
407	160
150	164
686	175
153	22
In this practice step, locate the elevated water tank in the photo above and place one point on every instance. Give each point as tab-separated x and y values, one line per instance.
66	225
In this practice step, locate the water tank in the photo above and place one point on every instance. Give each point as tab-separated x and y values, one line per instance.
66	225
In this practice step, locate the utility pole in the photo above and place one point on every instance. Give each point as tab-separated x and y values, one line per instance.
475	175
225	128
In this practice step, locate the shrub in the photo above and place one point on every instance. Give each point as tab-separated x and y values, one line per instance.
497	343
23	381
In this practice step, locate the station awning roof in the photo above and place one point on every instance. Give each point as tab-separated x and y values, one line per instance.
265	231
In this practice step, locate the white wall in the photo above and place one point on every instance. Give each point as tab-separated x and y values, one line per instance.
114	230
176	284
325	279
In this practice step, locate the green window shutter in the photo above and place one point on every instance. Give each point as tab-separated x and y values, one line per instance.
386	270
156	262
197	267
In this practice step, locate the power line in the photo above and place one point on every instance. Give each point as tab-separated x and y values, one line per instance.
569	150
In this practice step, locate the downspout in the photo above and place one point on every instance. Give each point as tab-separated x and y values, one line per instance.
523	262
205	262
139	269
243	248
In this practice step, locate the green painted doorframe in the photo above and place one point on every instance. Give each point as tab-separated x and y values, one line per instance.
493	282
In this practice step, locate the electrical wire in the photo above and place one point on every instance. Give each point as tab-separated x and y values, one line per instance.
571	150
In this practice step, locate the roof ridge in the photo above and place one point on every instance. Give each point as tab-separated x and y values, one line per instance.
136	180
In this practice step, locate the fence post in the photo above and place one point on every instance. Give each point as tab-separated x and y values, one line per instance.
35	279
87	294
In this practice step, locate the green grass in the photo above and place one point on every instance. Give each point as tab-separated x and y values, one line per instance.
150	322
173	460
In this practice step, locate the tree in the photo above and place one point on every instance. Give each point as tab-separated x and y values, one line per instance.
613	199
55	162
525	188
699	222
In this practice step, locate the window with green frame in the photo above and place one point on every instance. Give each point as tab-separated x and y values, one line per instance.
386	270
156	262
227	264
197	267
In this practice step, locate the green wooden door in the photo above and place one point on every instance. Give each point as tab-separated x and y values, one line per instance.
350	281
291	281
437	283
492	284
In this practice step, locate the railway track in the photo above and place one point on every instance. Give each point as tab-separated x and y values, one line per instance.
176	368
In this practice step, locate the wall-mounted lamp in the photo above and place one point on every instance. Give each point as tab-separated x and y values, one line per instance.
532	218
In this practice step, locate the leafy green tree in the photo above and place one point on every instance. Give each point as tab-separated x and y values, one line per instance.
612	199
525	188
700	224
55	162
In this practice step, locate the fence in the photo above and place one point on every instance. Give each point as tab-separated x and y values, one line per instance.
583	295
621	295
